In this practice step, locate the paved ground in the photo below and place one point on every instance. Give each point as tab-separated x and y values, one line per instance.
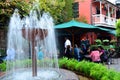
115	65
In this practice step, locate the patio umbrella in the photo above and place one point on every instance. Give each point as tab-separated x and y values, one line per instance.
73	27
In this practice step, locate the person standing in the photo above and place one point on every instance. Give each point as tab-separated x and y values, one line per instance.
67	43
67	46
11	54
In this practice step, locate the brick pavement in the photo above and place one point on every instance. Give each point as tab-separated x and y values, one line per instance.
115	65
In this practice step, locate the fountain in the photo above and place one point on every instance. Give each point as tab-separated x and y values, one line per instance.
28	36
32	53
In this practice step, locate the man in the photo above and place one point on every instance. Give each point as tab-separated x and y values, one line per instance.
67	43
67	48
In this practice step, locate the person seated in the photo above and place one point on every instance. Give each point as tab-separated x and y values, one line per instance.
68	52
11	54
83	48
112	54
95	55
103	54
77	53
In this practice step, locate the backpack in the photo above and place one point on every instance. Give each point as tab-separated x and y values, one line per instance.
104	56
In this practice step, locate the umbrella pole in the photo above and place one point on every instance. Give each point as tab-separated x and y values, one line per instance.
73	40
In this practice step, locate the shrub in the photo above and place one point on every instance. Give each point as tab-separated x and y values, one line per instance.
62	62
3	66
71	64
94	70
97	71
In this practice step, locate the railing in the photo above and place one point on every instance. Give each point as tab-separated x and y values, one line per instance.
100	19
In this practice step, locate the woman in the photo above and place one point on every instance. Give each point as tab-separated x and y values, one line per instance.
95	55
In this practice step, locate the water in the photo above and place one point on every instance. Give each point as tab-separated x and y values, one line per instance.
31	49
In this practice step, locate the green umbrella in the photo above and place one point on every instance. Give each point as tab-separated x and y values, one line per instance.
73	27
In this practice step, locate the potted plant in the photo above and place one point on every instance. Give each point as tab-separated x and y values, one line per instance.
98	41
105	41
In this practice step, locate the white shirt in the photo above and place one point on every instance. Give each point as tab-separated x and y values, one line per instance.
67	42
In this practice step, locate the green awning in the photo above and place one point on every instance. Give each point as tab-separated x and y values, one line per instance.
111	31
74	23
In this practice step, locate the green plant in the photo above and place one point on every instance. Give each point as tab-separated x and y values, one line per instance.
3	66
98	41
105	40
117	76
96	71
62	62
71	64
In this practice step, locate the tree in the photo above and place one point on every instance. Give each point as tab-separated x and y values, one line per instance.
82	19
118	31
7	8
118	28
54	7
67	12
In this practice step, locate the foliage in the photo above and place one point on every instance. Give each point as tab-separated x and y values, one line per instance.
62	62
82	19
3	66
118	28
71	63
54	7
106	47
98	41
96	71
86	70
67	12
7	9
105	40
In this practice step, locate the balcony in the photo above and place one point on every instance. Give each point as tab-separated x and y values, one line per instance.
102	20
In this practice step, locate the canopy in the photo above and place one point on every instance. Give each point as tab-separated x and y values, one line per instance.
111	31
74	23
73	27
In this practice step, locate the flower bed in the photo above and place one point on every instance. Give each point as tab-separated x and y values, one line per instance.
89	69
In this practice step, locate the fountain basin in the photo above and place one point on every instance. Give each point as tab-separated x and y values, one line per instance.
43	74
